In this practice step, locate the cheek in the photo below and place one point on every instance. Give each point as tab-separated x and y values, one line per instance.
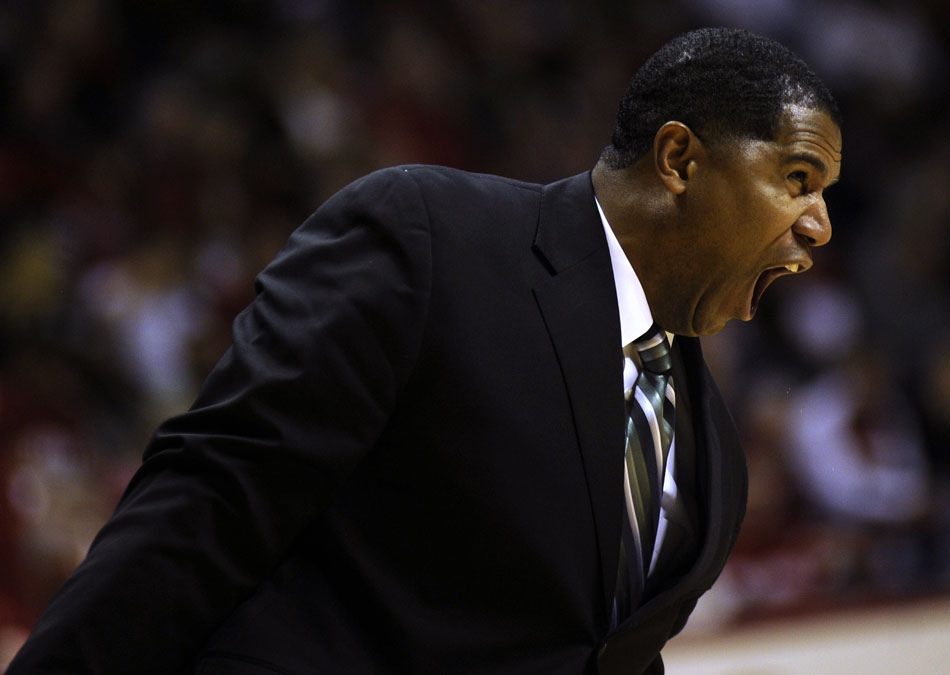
742	218
768	217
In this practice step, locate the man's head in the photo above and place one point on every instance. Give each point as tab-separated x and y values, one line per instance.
714	180
722	83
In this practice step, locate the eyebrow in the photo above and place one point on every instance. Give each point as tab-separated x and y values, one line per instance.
819	165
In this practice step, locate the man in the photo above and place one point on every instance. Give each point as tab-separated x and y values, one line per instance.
416	455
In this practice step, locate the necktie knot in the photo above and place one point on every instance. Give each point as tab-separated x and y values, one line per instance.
654	351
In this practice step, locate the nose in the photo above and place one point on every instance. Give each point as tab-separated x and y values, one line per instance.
814	224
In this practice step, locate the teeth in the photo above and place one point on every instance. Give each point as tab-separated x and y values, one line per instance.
792	268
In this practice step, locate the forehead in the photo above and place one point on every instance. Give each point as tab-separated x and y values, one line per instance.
810	132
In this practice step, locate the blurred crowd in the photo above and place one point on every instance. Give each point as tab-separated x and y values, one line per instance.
155	155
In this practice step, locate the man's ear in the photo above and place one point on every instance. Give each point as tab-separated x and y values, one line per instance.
675	151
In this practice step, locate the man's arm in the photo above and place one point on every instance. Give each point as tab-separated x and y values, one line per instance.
317	363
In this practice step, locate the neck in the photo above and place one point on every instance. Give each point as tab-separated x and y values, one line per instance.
635	211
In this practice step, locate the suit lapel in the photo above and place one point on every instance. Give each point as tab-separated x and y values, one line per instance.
579	304
720	484
721	470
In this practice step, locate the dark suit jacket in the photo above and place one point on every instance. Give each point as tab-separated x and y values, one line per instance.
409	460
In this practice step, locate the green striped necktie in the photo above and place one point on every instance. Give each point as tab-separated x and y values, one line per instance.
650	417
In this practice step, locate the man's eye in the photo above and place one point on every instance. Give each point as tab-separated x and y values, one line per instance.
800	177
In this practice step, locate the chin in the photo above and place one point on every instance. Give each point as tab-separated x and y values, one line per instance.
706	329
695	326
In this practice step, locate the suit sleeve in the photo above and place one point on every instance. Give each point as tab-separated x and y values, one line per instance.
316	365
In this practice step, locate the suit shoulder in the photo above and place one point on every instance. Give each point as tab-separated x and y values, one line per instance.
430	176
471	205
462	197
435	185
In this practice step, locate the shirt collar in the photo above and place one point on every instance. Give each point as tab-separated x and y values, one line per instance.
635	315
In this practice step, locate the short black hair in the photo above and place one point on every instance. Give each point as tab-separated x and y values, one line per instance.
721	83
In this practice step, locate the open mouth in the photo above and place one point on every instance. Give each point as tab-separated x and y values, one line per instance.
766	278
